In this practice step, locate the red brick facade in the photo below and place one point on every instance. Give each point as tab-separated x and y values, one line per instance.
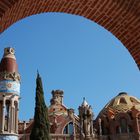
120	116
118	120
120	17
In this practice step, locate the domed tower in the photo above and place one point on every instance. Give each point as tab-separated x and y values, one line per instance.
120	118
9	96
86	121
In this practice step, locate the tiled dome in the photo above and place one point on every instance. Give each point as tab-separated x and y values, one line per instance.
121	103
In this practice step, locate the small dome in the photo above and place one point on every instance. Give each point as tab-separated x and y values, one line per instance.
121	103
122	93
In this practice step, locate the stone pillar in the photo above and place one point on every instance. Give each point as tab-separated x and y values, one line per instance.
120	131
92	133
3	115
137	124
16	115
100	126
13	119
24	132
74	129
86	120
9	118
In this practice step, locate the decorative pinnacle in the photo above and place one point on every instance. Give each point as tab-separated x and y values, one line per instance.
84	102
9	53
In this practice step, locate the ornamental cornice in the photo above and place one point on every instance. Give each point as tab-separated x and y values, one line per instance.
10	76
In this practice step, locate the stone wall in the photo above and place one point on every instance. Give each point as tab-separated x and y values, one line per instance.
130	136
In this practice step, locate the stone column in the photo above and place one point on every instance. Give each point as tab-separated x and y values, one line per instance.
13	119
81	128
16	118
24	133
100	126
74	129
120	131
92	133
3	115
12	116
137	124
9	117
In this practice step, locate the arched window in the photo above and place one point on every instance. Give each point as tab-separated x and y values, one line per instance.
6	114
123	101
123	125
69	129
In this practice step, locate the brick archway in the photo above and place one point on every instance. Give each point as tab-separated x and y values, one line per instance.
120	17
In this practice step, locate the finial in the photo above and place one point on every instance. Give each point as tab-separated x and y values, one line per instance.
9	52
84	98
84	102
122	93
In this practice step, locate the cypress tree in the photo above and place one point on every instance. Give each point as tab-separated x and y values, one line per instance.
41	128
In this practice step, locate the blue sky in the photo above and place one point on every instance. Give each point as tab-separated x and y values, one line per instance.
73	54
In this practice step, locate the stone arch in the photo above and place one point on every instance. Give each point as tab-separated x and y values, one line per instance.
120	17
122	115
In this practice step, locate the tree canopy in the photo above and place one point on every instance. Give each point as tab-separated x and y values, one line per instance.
41	127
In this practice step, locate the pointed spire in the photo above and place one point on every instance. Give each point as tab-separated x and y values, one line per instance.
84	102
9	52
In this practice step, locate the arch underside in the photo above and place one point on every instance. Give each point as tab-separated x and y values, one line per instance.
120	17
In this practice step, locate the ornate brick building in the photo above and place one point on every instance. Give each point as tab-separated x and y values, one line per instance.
63	122
118	120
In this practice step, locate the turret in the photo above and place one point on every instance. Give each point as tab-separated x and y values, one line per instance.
57	97
9	95
86	121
